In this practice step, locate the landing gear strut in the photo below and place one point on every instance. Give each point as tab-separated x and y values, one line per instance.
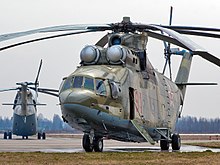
91	143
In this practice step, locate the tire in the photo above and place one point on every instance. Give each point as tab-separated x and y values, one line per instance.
164	144
9	135
98	144
176	142
43	135
5	135
38	135
87	146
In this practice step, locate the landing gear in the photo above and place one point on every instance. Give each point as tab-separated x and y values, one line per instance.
90	143
87	145
7	135
98	144
176	142
41	135
164	144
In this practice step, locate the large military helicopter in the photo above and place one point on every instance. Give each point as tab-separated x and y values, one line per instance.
25	109
115	92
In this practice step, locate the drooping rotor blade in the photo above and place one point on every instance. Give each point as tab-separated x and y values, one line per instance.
10	89
9	36
53	92
165	38
198	33
48	89
196	49
44	38
190	28
103	41
192	46
49	93
209	57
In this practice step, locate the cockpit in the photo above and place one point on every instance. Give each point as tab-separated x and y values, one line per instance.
93	84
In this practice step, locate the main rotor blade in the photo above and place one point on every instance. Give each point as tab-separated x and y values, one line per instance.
48	89
190	28
10	89
192	46
165	38
49	93
44	38
103	41
9	36
38	73
197	33
53	92
209	57
196	49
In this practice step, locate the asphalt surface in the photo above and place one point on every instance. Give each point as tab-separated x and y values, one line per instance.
73	144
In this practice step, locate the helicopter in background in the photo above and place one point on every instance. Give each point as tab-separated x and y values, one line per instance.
25	109
115	92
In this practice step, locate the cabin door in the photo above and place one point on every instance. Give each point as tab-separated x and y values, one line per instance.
131	100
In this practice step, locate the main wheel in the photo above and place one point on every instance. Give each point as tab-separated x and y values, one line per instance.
164	144
87	146
38	135
5	135
43	135
98	144
9	135
176	142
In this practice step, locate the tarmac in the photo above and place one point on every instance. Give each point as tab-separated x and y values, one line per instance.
66	144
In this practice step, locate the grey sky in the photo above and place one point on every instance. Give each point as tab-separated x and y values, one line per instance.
61	56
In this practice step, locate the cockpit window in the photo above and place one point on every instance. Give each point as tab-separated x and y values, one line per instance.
78	81
100	87
86	83
67	84
89	83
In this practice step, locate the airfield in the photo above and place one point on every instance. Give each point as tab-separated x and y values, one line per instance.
59	143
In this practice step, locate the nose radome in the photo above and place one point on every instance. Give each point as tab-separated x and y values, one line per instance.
75	97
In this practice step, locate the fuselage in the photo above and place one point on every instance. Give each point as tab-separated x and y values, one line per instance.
24	116
105	98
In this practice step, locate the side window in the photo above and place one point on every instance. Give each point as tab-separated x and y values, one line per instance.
77	83
89	83
100	87
114	89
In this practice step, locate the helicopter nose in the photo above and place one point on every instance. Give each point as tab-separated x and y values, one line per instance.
75	97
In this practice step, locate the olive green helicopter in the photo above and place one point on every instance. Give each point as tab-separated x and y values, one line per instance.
116	93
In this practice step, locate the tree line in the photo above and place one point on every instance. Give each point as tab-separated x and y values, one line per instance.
185	125
200	125
56	125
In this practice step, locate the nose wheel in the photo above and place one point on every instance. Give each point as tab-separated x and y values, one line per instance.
91	143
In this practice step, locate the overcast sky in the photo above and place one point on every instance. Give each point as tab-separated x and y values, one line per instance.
61	56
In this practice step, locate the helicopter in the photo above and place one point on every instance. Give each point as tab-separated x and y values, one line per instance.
25	110
116	93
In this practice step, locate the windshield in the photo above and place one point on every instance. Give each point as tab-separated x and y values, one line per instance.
85	82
